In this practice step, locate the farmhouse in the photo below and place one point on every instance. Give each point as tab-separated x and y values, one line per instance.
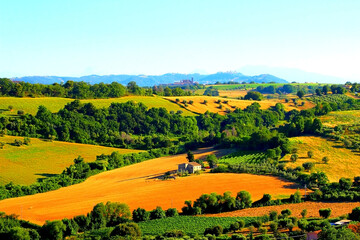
190	167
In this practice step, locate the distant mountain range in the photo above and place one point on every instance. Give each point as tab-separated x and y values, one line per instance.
151	80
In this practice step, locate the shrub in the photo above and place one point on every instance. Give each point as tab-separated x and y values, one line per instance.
130	230
286	212
294	157
174	234
157	213
325	160
355	214
303	213
140	215
325	213
26	140
310	154
215	230
171	212
308	166
238	237
273	215
20	112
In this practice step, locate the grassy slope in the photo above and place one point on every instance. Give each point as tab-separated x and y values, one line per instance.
42	158
341	117
343	162
30	105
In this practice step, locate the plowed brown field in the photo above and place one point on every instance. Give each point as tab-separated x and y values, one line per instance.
138	186
337	209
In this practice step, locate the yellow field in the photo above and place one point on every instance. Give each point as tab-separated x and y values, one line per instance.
343	162
233	93
30	105
25	164
138	186
342	117
199	107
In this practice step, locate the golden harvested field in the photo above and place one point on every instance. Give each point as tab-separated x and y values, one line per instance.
341	117
138	186
199	107
54	104
233	93
343	162
43	158
337	209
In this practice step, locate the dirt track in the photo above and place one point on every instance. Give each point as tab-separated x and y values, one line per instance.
138	186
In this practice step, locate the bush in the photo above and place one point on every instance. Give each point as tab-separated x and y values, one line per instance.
171	212
325	213
174	234
20	112
140	215
286	212
355	214
130	230
325	160
215	230
157	213
303	213
310	154
308	166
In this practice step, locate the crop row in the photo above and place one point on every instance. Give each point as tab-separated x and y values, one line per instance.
188	224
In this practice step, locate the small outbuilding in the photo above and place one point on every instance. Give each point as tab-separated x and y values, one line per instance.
190	167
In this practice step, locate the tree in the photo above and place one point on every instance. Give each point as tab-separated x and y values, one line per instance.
243	200
130	230
286	212
310	154
318	92
355	214
300	94
308	166
171	212
325	212
212	160
325	89
345	183
294	157
140	215
253	96
157	213
303	213
53	230
336	234
325	160
18	233
190	156
215	230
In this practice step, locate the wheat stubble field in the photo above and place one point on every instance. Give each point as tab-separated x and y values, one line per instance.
138	186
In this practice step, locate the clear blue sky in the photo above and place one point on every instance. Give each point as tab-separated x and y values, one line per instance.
82	37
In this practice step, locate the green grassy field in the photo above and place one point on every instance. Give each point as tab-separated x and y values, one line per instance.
25	164
188	224
30	105
341	117
243	157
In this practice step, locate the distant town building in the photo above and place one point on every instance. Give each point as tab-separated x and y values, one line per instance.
190	167
183	82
